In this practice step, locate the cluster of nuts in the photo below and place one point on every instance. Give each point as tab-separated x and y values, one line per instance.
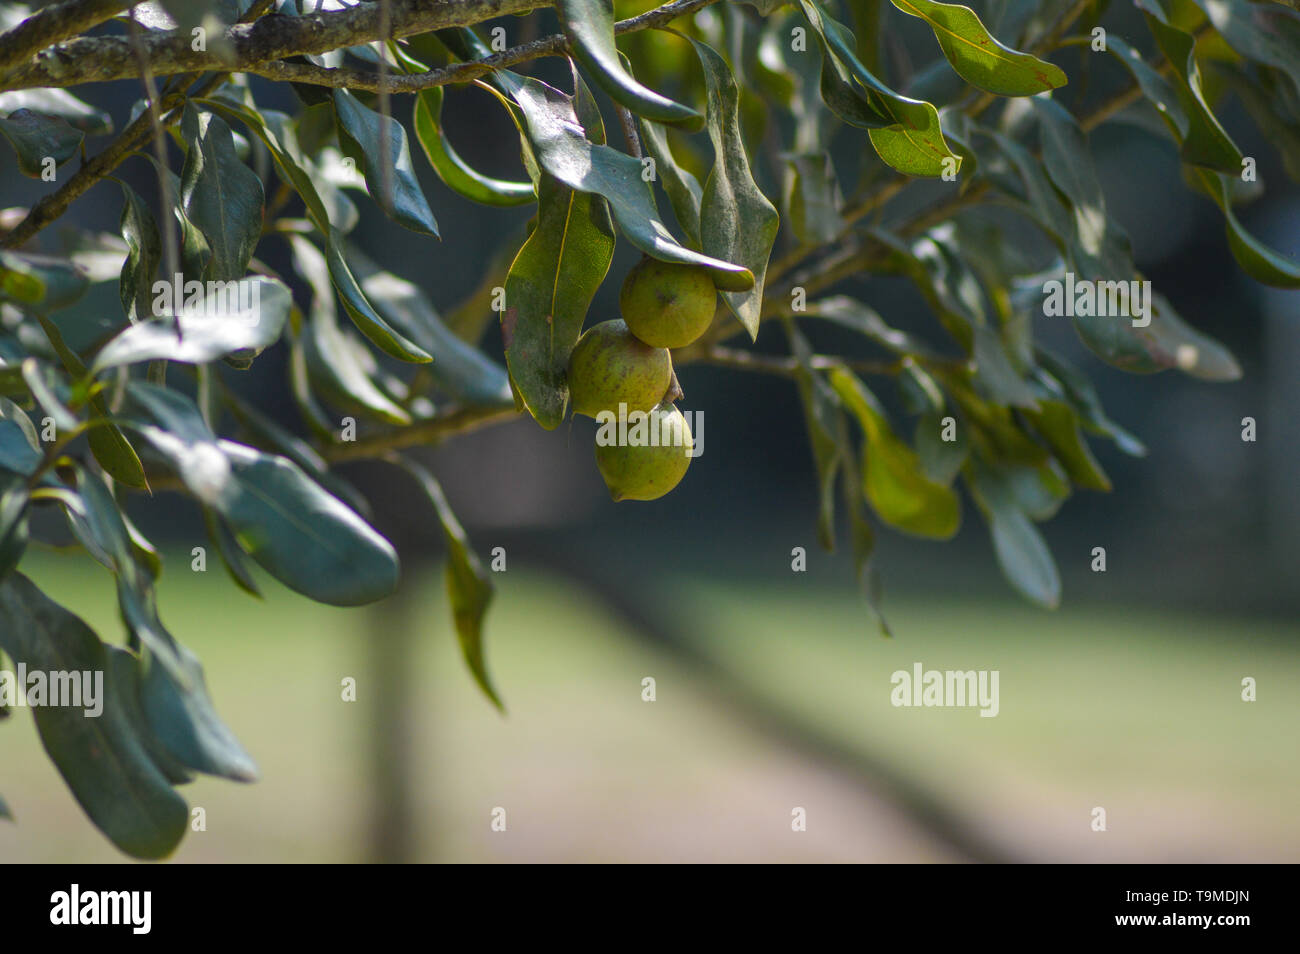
623	367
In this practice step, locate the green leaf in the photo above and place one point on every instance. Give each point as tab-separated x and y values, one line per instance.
940	460
812	198
60	103
469	588
455	173
1206	142
562	150
823	419
737	222
904	132
1059	425
979	58
1158	90
462	371
299	533
368	129
549	288
684	191
232	558
144	252
1262	32
1255	258
13	524
275	131
103	760
1022	555
36	138
332	357
1076	389
215	327
220	195
107	442
185	723
894	481
589	25
39	282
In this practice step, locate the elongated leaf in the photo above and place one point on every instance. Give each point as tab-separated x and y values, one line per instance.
213	328
107	442
979	58
60	103
455	173
297	532
36	138
1206	142
682	188
813	199
1023	556
368	129
905	132
737	222
469	588
894	481
549	288
39	282
589	25
13	524
144	252
220	195
823	421
1255	258
1058	423
103	760
1158	90
1263	32
292	167
562	150
462	371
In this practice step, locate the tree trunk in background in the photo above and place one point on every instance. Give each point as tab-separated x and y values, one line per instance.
389	648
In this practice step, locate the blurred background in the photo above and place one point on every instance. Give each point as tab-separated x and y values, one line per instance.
772	687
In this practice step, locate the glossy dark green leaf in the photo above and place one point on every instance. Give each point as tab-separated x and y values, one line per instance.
979	58
144	252
40	282
812	199
369	129
1158	90
185	723
1262	32
589	25
14	498
564	152
58	102
549	288
460	370
215	327
331	356
893	480
1022	555
904	132
682	188
469	587
107	442
232	558
103	760
293	169
1206	142
1255	258
737	222
220	195
455	173
300	534
1075	388
36	138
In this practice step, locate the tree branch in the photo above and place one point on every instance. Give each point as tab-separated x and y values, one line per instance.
271	37
52	24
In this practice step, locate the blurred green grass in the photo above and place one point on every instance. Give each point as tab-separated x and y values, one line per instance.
1137	712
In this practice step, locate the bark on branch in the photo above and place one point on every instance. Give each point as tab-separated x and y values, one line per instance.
271	37
52	24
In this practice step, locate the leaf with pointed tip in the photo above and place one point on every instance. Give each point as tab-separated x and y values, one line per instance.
220	195
60	103
563	151
1022	555
469	587
812	198
455	173
217	327
979	58
103	760
589	25
36	138
684	191
737	222
893	480
1255	258
144	252
368	129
